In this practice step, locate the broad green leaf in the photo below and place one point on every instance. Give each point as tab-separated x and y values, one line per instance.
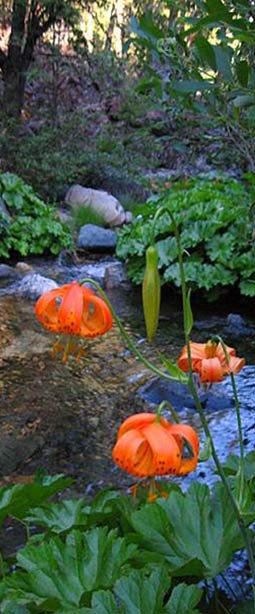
13	608
206	51
67	572
103	602
223	61
243	71
141	594
199	543
244	100
184	599
247	287
60	517
232	463
191	86
17	500
217	6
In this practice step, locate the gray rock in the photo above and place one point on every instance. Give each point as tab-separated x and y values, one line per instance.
97	239
34	285
8	272
115	276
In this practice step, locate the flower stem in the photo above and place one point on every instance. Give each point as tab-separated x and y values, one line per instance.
193	389
125	335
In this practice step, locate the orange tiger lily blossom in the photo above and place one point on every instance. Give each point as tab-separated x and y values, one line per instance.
148	445
209	360
73	310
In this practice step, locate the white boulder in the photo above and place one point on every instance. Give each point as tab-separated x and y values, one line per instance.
102	202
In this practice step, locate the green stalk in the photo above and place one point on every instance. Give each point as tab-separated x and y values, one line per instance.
193	389
131	345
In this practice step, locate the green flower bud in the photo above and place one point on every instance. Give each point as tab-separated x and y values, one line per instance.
151	292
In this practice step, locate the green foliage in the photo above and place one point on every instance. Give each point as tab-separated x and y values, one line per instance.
85	215
198	544
116	554
208	56
32	226
215	219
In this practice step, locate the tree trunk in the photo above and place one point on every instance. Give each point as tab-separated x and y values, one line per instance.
14	87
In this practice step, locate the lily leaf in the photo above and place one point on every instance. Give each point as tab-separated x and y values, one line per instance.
173	369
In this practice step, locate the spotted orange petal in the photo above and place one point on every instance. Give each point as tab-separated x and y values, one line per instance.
166	451
47	308
96	315
70	310
133	454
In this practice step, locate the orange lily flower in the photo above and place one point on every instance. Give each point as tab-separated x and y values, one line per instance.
209	360
148	445
73	310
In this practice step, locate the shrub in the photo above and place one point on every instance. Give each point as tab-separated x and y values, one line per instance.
216	224
33	227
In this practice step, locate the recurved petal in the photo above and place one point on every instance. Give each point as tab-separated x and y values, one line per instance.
165	449
133	454
221	354
47	308
96	315
138	421
70	310
235	364
197	354
184	432
211	370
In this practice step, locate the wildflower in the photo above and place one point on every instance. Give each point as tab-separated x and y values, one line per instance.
75	311
148	445
151	292
209	360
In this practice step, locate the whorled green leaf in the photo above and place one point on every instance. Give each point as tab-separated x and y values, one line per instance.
174	370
